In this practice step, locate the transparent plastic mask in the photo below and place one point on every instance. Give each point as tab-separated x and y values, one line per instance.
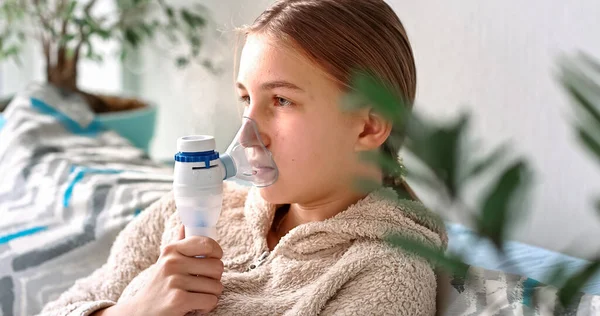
253	161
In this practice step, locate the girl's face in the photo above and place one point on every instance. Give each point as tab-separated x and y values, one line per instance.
298	113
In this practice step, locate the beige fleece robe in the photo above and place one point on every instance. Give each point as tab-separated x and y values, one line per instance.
340	266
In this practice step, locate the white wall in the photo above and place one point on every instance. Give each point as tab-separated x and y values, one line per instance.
14	78
497	59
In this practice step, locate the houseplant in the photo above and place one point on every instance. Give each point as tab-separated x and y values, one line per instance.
71	30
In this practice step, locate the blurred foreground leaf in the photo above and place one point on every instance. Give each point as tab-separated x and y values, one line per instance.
500	205
369	91
576	282
591	142
440	149
579	77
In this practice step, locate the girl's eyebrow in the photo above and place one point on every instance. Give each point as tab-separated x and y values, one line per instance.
270	85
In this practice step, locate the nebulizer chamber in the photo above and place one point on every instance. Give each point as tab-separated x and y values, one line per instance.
200	171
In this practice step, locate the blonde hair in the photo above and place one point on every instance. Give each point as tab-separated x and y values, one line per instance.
342	36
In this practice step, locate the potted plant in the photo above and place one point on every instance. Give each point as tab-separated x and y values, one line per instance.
70	30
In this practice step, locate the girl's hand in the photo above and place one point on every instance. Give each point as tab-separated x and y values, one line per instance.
180	282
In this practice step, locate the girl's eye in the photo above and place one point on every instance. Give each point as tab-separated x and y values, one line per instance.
245	99
282	102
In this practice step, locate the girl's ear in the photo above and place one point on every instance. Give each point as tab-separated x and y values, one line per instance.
375	130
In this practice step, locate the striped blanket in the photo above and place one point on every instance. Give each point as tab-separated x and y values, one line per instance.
68	186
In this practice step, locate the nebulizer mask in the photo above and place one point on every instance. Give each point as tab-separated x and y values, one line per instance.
200	171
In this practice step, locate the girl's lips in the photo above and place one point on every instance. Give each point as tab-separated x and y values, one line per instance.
257	171
263	167
263	171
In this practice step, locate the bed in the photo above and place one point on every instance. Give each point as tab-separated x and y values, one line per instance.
68	186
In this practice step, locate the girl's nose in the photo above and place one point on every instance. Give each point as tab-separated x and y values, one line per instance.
254	129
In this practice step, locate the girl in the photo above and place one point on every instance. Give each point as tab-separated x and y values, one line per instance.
310	244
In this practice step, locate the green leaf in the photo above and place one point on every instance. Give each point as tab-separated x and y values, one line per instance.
68	13
91	23
52	32
123	54
368	90
132	37
452	264
148	29
576	282
584	102
439	148
211	67
96	57
89	49
195	42
11	51
91	54
182	62
192	19
105	34
79	22
11	11
170	12
67	38
592	144
499	206
576	77
187	18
